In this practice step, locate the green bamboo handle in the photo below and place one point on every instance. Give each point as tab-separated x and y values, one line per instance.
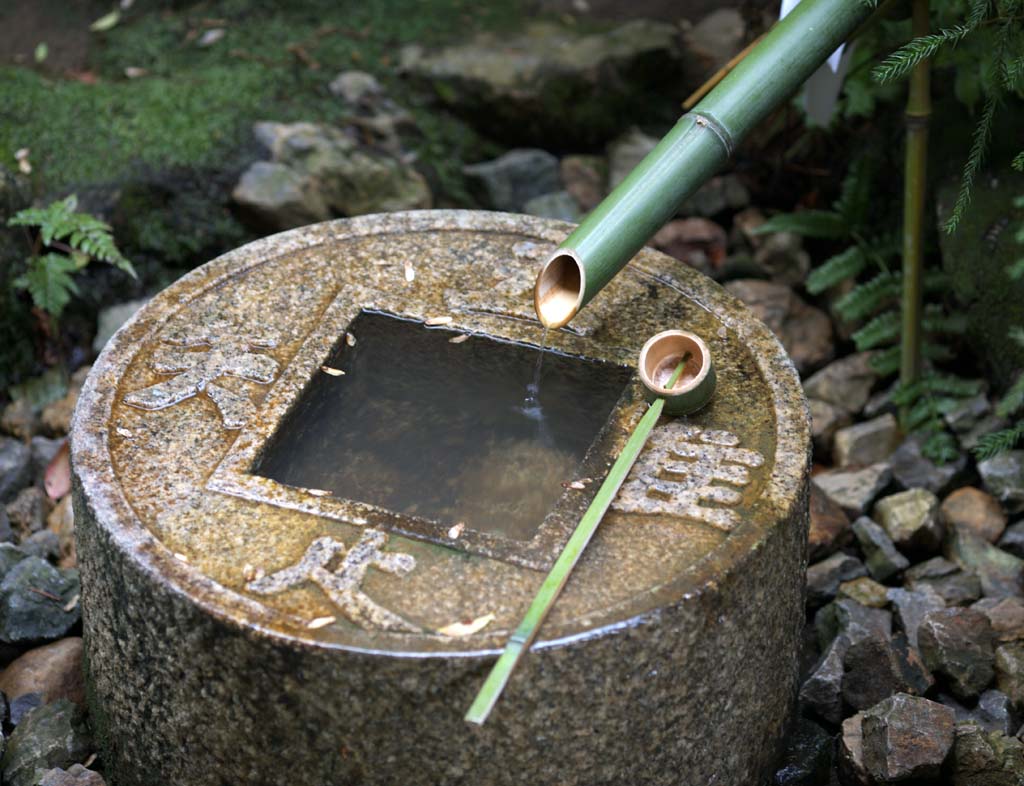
703	140
523	637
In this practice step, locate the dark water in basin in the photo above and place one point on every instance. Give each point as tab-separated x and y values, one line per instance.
444	431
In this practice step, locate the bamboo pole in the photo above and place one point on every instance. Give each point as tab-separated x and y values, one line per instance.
694	150
918	114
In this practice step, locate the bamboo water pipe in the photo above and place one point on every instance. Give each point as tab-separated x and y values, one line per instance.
691	153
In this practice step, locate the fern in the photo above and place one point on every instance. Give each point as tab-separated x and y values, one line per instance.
886	362
979	144
80	236
1013	399
47	279
844	265
996	442
1018	162
882	329
809	223
869	296
902	61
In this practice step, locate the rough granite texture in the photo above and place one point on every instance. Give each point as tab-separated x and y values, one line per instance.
670	658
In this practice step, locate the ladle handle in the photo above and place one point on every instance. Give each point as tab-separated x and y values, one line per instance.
549	591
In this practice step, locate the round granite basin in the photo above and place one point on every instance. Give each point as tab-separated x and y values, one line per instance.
241	629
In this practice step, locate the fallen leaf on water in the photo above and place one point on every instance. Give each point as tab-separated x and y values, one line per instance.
434	321
134	72
320	622
455	531
57	478
578	485
319	492
410	272
467	628
459	339
350	339
106	22
334	372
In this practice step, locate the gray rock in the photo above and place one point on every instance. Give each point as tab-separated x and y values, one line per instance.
513	179
1009	665
558	205
866	591
6	532
1006	616
881	557
850	619
906	737
855	489
43	450
912	469
52	736
625	152
967	414
355	87
846	382
33	598
29	510
719	36
699	242
22	706
995	712
824	578
585	178
111	318
1013	540
869	442
826	419
822	691
911	519
551	83
983	758
781	257
44	544
721	193
881	402
15	468
959	645
1003	478
75	775
875	669
318	171
1000	572
955	586
910	609
807	758
851	752
805	331
986	425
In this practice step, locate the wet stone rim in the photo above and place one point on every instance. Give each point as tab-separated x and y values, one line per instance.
781	492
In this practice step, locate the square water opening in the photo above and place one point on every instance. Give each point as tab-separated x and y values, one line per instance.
453	433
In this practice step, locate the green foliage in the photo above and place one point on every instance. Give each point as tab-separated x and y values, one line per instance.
996	442
78	237
809	223
982	40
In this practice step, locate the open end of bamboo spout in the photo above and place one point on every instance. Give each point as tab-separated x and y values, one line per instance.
558	293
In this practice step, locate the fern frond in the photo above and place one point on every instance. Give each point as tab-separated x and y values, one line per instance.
808	223
869	297
47	278
846	264
937	384
1018	161
903	60
886	362
941	447
929	408
1013	400
996	442
1016	269
882	329
856	194
978	13
936	320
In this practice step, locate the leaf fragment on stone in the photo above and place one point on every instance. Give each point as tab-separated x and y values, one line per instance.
410	272
334	372
456	530
180	557
70	606
457	629
319	492
123	432
320	622
459	339
435	321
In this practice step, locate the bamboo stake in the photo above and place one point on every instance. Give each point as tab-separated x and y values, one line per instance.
914	189
520	641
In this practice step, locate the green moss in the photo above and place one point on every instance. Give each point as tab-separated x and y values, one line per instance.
196	105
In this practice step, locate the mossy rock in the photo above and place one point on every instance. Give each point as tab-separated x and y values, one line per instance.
976	257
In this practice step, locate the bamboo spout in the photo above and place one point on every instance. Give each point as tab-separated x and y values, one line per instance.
690	154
